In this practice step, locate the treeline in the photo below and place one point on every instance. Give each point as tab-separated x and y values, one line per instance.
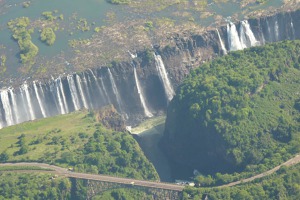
238	112
33	186
285	184
108	152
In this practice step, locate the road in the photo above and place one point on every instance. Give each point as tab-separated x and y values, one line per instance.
97	177
290	162
167	186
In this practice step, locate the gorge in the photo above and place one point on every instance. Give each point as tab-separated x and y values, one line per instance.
144	87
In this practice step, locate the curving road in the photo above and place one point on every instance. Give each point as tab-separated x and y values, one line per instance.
290	162
167	186
97	177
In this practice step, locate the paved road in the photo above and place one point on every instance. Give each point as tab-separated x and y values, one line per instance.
127	181
98	177
290	162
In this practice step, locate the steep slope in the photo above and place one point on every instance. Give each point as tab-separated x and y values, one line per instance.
239	110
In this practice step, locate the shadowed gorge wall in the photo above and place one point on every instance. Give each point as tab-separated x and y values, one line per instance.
157	74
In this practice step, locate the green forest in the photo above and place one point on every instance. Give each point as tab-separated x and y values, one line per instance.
285	184
76	140
239	112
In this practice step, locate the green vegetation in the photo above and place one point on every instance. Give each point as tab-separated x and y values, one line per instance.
3	63
48	15
76	140
126	194
119	1
48	36
22	35
33	186
238	112
16	168
285	184
83	25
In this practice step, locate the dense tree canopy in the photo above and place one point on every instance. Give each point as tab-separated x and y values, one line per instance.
48	36
285	184
238	111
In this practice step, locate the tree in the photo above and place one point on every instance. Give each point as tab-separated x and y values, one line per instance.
48	36
4	156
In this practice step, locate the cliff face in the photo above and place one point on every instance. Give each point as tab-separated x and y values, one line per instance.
157	76
179	143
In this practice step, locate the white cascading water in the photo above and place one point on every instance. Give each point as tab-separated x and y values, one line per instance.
97	83
53	91
132	55
7	108
160	67
25	107
115	90
233	38
269	31
243	38
276	29
29	102
105	91
293	29
41	105
59	98
14	105
87	90
221	42
250	35
143	102
63	95
73	91
85	104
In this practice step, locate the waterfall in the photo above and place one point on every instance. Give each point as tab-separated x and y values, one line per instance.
243	39
222	44
14	105
7	107
74	93
105	91
63	95
101	92
269	31
293	29
160	67
87	91
29	102
60	103
233	38
53	92
133	56
143	102
248	34
276	29
25	107
85	104
41	105
115	90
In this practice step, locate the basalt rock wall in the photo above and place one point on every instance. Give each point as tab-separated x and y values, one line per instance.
158	72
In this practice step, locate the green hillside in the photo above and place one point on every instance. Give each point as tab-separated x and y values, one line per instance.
76	140
238	112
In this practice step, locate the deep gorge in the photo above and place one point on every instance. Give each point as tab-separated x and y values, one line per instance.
144	87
